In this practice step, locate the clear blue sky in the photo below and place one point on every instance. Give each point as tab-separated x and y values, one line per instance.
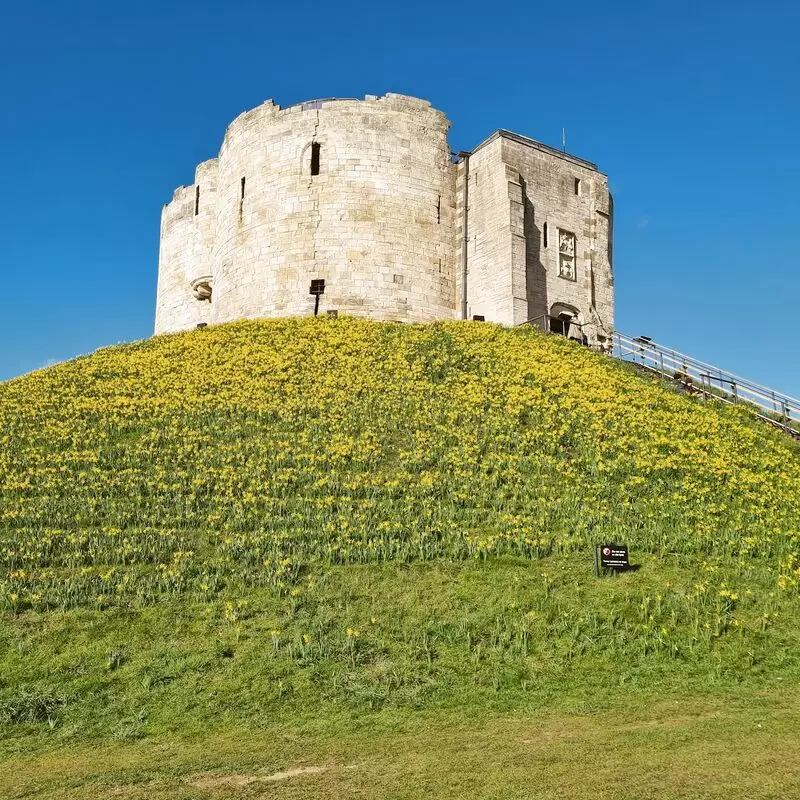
692	109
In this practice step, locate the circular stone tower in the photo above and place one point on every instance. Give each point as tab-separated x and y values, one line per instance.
357	194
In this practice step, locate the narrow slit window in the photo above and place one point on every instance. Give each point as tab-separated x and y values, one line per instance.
438	210
197	201
242	194
315	151
544	235
241	203
578	186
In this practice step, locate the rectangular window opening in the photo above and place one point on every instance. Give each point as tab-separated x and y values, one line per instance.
544	235
578	186
197	201
242	194
439	210
315	151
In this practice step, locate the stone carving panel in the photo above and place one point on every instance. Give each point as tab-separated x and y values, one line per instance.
566	255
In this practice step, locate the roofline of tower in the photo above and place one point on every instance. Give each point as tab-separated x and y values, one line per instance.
526	140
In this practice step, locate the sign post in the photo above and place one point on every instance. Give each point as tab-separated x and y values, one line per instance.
611	557
317	289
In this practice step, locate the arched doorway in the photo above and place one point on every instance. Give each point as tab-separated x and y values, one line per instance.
566	321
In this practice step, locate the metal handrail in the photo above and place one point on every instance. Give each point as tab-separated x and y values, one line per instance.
572	322
697	361
779	409
640	346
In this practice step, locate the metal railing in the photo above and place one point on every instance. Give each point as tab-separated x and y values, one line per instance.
690	375
563	327
704	380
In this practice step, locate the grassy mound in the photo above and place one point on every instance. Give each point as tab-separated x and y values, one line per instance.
291	519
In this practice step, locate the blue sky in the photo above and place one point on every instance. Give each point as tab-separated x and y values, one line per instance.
692	109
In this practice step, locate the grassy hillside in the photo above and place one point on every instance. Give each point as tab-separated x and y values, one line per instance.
343	531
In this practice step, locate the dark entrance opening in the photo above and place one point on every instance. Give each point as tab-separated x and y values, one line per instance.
561	324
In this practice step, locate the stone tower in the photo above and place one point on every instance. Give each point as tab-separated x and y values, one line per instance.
365	199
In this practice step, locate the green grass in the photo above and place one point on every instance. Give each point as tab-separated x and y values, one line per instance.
368	549
448	636
676	748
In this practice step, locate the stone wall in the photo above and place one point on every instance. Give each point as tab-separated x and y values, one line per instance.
569	266
495	252
365	196
376	222
539	231
186	256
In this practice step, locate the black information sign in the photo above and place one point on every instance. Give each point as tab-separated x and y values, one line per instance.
612	556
